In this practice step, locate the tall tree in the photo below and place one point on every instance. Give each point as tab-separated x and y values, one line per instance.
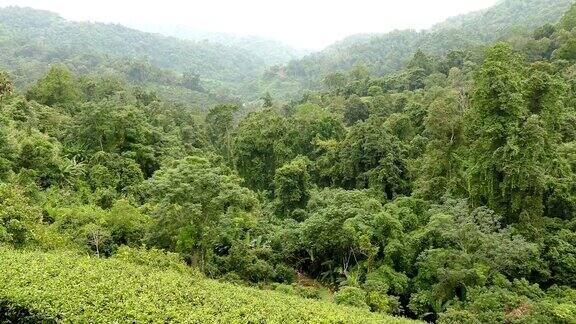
58	87
509	156
220	122
260	147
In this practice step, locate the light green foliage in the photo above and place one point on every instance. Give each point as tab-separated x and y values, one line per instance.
192	202
17	216
310	125
127	225
75	288
568	21
100	230
57	88
154	258
351	296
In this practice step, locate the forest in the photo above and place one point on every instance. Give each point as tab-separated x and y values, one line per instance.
432	180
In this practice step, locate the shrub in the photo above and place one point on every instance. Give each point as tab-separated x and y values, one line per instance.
351	296
74	288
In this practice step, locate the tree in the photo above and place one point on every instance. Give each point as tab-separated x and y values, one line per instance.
421	61
310	125
194	202
440	169
335	81
260	147
126	224
292	186
267	98
345	228
191	80
568	21
18	215
370	157
356	110
8	150
6	86
509	151
58	87
97	237
40	158
220	122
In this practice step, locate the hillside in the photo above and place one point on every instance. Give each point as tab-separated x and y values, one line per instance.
72	288
195	71
47	32
386	53
268	50
495	21
444	191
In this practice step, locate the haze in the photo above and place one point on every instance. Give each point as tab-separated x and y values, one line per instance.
300	23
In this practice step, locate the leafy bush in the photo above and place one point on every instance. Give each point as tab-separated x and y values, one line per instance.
351	296
73	288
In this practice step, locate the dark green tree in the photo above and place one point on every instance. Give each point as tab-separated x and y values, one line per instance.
292	186
260	147
508	158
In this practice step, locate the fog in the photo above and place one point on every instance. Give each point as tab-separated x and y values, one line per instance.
300	23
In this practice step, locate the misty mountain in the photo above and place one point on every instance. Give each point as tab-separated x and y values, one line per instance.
386	53
31	40
268	50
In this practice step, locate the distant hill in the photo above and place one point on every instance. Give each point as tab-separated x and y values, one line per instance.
386	53
495	21
268	50
31	40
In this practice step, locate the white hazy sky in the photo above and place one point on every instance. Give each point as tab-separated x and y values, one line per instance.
311	24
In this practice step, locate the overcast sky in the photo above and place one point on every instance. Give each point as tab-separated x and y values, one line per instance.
311	24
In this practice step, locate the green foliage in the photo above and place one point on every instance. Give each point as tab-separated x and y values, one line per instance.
510	148
356	110
568	21
58	87
6	86
351	296
516	301
310	125
219	122
17	216
191	202
77	288
260	148
292	185
444	191
372	157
